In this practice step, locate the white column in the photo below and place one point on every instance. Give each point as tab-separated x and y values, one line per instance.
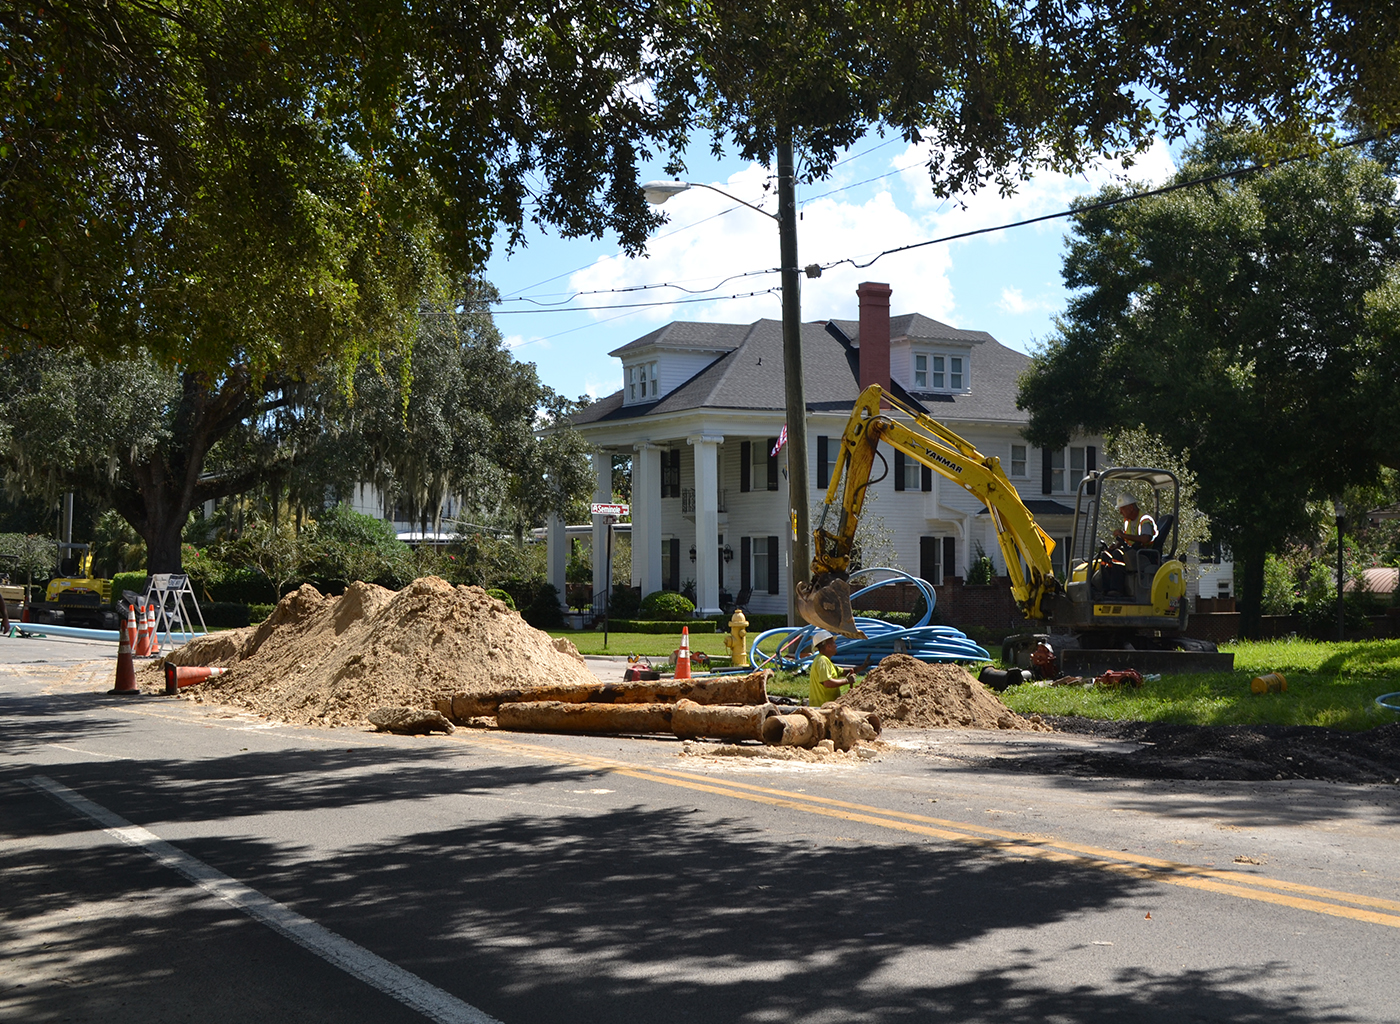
602	492
646	518
706	523
557	552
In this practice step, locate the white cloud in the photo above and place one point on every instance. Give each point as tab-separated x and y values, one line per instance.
1013	301
712	246
708	248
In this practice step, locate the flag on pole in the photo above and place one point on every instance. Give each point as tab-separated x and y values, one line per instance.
782	440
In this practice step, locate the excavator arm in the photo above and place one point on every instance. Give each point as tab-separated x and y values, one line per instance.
1025	547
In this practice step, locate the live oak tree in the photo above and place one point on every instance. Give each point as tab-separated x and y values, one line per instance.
458	415
1249	321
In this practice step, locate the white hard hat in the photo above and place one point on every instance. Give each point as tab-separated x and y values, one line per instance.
1124	500
820	637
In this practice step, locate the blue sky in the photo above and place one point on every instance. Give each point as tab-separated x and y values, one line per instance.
877	198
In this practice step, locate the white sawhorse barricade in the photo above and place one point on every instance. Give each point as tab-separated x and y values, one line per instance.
167	592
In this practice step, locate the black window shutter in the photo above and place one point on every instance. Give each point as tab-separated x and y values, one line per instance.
745	464
1046	477
772	563
928	559
899	471
926	479
823	469
950	557
772	464
675	472
745	563
675	583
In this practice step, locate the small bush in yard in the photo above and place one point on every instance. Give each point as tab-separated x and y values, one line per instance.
666	606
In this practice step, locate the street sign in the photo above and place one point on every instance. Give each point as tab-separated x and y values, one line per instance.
602	508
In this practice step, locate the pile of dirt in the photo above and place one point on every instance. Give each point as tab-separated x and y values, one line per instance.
907	693
320	660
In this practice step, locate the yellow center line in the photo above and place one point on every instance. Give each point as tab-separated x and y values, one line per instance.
1003	842
993	840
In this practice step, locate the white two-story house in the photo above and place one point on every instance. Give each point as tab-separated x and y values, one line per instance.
702	405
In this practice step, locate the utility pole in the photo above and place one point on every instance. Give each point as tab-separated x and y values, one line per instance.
794	389
1341	511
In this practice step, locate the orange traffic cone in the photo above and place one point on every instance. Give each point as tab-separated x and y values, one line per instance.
126	670
177	677
153	644
683	658
131	626
141	648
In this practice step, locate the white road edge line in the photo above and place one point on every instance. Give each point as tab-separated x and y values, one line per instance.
354	959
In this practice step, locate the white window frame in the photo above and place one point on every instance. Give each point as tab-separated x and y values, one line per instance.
1018	465
758	569
1068	466
941	371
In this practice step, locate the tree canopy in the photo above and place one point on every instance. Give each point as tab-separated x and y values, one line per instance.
267	181
457	415
1241	321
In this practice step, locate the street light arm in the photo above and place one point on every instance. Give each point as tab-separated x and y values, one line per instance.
657	192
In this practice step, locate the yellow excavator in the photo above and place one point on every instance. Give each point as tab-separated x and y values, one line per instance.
1124	603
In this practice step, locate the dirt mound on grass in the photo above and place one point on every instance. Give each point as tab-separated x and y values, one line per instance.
320	660
907	693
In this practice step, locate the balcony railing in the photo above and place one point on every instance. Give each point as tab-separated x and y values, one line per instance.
688	501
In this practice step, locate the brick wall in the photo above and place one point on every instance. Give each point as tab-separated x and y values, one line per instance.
986	607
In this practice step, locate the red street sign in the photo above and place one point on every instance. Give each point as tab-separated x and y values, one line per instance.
605	509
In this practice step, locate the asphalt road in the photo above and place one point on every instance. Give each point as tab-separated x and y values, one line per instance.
162	861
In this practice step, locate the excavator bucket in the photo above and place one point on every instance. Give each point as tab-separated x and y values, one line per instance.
829	608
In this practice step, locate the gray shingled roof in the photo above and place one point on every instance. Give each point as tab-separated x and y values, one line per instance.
749	375
686	334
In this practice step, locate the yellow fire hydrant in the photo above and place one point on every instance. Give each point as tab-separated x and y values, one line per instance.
737	640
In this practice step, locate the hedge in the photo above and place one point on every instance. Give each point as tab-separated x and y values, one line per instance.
647	626
226	614
758	622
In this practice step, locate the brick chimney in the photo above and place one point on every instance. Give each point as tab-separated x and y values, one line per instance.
874	340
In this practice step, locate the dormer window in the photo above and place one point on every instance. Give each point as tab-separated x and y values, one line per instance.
642	382
940	371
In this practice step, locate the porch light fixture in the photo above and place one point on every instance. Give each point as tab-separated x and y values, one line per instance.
692	552
728	553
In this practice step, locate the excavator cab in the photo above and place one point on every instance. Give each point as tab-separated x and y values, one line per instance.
1132	577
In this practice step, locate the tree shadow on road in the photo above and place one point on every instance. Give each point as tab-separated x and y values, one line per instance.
675	914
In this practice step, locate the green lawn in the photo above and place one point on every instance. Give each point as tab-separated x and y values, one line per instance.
1329	684
652	645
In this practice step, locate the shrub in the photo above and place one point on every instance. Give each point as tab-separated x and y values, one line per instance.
665	604
241	586
1278	587
501	595
258	612
132	581
981	572
543	611
226	614
623	602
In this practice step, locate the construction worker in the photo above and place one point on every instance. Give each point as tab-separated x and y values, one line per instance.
1137	530
825	678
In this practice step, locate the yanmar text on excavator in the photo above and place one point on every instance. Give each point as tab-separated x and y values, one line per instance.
1124	603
